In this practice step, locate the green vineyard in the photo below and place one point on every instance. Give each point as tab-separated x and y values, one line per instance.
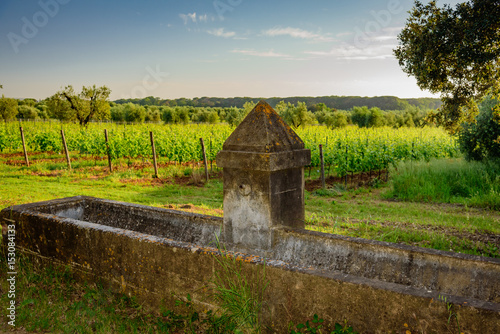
348	150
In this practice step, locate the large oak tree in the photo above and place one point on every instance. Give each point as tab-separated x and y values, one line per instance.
454	52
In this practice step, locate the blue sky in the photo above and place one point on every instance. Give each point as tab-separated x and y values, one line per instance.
195	48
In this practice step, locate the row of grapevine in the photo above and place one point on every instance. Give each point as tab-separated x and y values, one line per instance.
348	150
353	149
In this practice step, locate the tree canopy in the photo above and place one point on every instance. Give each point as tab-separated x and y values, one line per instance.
295	116
8	108
91	103
314	104
480	140
455	52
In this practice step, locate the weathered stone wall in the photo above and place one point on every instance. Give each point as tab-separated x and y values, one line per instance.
309	272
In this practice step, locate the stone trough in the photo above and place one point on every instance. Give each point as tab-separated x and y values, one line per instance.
151	252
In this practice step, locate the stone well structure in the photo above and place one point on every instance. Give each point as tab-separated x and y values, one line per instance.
263	161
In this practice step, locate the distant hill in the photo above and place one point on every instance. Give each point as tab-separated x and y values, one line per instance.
337	102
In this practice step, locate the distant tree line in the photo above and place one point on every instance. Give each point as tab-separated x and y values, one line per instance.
332	102
92	103
296	115
66	105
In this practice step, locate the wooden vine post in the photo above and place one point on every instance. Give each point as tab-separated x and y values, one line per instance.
323	185
108	149
154	153
24	147
66	149
204	158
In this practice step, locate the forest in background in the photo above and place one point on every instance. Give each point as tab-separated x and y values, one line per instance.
332	111
332	102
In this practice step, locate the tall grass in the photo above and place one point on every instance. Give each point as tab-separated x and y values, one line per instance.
51	299
448	181
239	295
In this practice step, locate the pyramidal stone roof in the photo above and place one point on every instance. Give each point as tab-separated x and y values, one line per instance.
263	131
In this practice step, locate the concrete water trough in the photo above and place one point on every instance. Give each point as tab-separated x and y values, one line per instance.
151	253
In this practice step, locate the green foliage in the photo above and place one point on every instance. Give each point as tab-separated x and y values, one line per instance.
134	113
480	140
188	319
454	52
452	313
117	113
352	149
60	109
316	324
27	102
239	296
50	300
376	118
339	329
91	103
213	117
8	108
361	116
184	111
313	326
296	116
53	300
337	119
346	150
315	104
152	114
234	116
42	110
27	112
248	106
319	107
448	181
201	115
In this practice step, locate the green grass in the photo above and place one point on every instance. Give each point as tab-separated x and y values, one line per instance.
50	300
240	297
366	214
448	181
25	185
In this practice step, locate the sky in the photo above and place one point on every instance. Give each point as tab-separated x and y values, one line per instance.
195	48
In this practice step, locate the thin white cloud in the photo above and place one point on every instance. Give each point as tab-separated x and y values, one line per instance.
221	33
364	45
255	53
351	52
297	33
346	33
365	39
196	18
187	17
385	38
